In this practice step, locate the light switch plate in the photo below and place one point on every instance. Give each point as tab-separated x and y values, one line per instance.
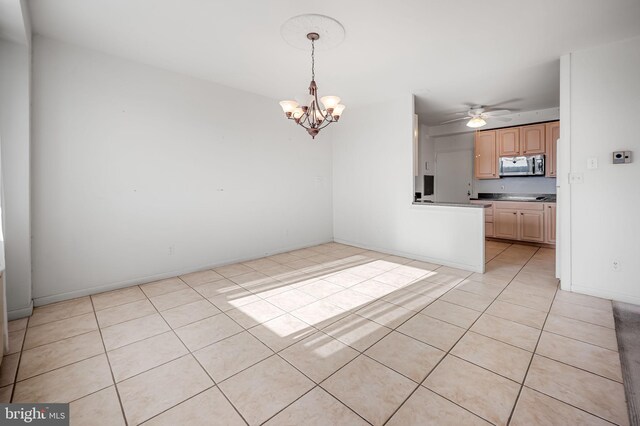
576	178
592	163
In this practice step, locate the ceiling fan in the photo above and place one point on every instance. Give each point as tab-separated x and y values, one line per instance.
478	114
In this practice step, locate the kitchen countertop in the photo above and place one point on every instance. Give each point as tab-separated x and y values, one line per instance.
527	198
433	203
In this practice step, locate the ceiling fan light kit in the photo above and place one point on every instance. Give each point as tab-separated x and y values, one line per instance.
316	114
476	122
478	116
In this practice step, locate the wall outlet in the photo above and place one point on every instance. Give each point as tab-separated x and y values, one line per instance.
615	265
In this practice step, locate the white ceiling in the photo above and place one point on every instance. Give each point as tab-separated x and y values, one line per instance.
447	52
12	22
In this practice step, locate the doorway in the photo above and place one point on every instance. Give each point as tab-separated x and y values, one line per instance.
453	176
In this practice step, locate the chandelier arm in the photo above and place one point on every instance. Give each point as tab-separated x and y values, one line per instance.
315	96
303	119
325	124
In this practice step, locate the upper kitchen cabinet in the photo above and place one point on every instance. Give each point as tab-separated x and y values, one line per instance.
552	131
509	142
532	139
485	162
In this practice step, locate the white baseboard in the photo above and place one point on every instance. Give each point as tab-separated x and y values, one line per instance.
606	294
20	313
472	268
45	300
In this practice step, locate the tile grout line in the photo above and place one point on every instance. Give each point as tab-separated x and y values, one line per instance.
354	310
564	402
56	341
579	368
317	385
15	377
395	329
535	349
581	341
126	422
61	319
99	329
569	404
191	354
449	352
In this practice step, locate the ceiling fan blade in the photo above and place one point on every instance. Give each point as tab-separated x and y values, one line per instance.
505	102
455	119
503	119
497	112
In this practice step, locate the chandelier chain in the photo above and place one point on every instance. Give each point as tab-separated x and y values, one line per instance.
313	60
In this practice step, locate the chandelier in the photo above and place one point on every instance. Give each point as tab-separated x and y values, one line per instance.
314	116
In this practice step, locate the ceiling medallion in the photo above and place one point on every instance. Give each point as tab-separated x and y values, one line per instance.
315	115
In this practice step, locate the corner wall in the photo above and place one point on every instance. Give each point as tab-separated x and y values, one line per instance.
601	90
15	69
373	193
140	174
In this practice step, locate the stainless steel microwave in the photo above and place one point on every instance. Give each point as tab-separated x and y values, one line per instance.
532	165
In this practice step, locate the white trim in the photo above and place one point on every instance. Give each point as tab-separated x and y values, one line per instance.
563	169
605	294
415	256
45	300
20	313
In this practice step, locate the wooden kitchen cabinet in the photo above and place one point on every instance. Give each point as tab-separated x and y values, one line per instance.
485	162
523	221
508	142
550	223
505	224
531	225
532	139
552	134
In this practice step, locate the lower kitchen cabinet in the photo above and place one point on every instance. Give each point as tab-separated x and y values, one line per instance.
506	223
531	226
524	221
550	223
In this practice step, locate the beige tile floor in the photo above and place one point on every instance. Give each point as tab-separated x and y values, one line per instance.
328	335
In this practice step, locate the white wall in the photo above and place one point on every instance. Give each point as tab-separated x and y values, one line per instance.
130	160
373	193
601	90
15	155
